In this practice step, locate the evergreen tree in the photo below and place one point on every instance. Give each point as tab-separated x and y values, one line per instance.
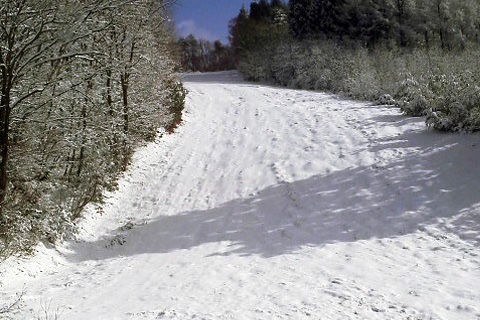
404	32
299	20
260	10
369	21
326	17
277	4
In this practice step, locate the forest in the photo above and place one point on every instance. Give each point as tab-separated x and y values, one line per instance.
421	56
200	55
82	84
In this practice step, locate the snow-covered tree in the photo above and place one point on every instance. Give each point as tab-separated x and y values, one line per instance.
82	83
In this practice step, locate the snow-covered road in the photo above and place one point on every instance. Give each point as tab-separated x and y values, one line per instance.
270	203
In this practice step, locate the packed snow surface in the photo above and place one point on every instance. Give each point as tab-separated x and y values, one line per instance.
271	203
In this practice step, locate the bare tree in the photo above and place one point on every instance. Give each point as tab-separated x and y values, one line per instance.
82	82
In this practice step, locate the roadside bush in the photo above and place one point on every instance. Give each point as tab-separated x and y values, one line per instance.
442	85
457	110
362	81
410	99
176	102
254	67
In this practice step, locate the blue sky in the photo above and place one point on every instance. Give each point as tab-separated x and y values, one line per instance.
207	19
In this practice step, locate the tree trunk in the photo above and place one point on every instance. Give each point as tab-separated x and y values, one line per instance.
124	83
124	80
109	92
441	28
401	21
84	140
4	147
81	159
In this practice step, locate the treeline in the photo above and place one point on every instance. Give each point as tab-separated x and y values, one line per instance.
199	55
419	55
82	83
450	24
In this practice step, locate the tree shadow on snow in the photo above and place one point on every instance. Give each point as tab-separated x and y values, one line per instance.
226	78
437	185
221	77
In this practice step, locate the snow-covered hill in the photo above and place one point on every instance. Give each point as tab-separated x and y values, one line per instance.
272	203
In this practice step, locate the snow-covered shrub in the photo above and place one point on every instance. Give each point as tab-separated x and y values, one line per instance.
417	107
292	66
454	83
175	102
362	79
473	119
410	99
315	65
322	67
457	111
254	66
386	99
303	75
285	64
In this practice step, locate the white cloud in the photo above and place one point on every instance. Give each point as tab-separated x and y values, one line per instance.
189	27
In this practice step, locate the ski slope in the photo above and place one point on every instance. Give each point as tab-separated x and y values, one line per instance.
271	203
